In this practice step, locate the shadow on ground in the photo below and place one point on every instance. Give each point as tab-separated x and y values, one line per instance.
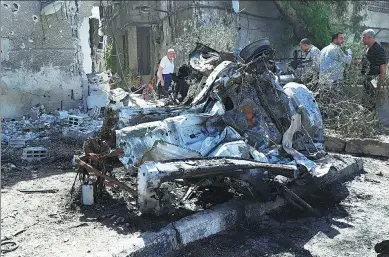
283	233
118	210
122	215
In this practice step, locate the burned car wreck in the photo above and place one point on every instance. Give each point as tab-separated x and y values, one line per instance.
241	124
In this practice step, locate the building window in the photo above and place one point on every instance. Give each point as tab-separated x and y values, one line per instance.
378	6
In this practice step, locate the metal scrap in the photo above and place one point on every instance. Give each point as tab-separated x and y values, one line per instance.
242	124
38	191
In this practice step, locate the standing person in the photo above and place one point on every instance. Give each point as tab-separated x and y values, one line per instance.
181	86
166	69
333	60
374	62
311	61
373	66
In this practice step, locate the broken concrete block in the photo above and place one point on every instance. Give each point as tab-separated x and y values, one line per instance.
77	134
75	121
17	143
334	144
36	127
63	115
34	153
47	119
367	146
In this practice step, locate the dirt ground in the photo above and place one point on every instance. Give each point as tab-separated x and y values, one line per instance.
57	224
354	217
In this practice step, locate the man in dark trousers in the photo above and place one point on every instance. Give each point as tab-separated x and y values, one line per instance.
166	69
181	86
373	65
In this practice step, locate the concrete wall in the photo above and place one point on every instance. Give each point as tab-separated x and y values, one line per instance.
208	25
379	20
211	22
43	61
261	19
52	87
376	16
123	23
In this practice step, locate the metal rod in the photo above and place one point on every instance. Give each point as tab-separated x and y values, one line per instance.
100	174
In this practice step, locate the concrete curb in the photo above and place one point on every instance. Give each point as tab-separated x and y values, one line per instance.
159	243
367	146
215	220
204	224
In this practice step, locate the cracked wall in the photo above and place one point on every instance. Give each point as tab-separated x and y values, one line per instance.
212	27
43	60
180	24
214	24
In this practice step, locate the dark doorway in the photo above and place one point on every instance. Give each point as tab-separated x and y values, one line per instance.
144	51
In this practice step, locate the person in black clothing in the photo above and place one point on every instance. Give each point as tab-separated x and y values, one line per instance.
373	63
181	86
137	88
373	66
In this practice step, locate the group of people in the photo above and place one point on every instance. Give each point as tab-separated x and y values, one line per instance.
328	64
325	66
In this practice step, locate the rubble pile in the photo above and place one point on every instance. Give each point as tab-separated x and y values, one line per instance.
41	129
31	134
241	124
46	124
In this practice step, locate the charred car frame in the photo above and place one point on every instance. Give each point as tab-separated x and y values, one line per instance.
241	124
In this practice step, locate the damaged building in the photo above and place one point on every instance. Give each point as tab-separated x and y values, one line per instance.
46	53
242	118
144	30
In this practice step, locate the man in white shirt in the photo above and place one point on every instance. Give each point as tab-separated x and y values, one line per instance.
166	69
333	60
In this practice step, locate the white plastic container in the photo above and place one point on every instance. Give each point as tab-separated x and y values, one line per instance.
87	195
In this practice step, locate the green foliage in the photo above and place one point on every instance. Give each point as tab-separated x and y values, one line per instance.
287	37
110	58
127	76
317	16
324	18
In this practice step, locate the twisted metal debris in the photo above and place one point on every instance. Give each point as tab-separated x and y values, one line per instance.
242	124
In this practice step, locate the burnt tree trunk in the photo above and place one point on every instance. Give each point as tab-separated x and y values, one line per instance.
300	29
